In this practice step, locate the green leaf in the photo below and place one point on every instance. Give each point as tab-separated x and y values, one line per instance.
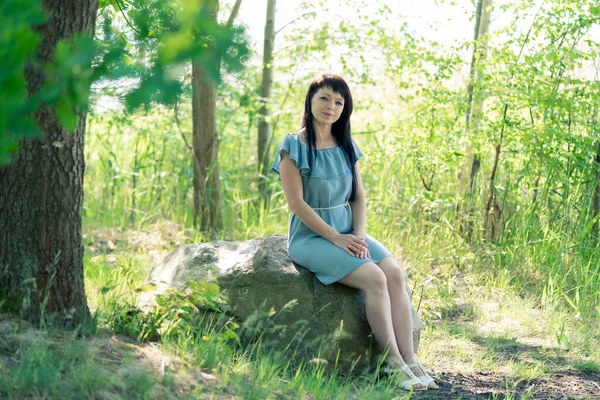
24	128
66	115
106	289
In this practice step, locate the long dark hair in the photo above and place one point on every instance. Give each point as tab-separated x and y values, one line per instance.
340	128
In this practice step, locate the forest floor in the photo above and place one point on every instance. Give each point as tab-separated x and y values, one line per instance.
115	366
479	342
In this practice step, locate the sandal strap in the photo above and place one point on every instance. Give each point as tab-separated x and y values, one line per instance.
408	371
417	364
412	381
389	370
405	369
426	378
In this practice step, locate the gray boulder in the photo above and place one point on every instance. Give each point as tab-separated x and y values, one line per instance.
260	279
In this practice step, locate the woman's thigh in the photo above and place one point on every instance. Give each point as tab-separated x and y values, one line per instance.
366	277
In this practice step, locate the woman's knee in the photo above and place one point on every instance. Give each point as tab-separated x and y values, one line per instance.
395	275
377	282
368	278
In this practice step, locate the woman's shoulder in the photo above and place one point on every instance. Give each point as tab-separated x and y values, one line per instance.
294	142
298	136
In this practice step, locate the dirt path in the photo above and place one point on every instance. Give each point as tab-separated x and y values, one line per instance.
571	384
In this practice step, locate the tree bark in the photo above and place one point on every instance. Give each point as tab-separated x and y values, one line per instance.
41	195
205	145
596	205
264	125
467	177
596	196
493	213
234	12
205	139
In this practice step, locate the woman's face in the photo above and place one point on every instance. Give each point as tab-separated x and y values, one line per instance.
326	106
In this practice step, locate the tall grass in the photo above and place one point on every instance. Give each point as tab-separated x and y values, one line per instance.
139	172
543	256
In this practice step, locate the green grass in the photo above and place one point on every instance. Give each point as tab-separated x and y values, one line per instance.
69	368
470	328
523	307
588	366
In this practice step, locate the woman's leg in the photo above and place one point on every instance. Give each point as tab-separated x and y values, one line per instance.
401	314
371	279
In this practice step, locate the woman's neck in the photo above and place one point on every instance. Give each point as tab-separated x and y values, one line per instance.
322	132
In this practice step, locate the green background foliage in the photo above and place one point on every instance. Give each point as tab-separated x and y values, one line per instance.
410	121
541	94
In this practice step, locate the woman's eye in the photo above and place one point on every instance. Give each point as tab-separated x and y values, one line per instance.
339	103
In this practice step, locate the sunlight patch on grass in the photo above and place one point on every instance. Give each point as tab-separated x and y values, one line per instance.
498	333
526	371
241	365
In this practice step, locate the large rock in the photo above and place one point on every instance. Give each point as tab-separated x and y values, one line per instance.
258	275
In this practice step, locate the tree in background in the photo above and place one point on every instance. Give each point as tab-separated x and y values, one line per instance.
596	163
205	143
185	36
467	178
264	123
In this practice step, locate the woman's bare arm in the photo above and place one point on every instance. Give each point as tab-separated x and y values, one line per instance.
359	207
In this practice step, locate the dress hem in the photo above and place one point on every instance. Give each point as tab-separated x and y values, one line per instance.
346	273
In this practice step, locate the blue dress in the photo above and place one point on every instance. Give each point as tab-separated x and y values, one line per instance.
327	192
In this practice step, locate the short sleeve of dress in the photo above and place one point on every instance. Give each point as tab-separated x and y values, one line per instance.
297	152
357	153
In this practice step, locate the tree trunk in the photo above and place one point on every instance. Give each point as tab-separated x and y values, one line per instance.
205	145
264	125
492	215
41	195
205	139
596	205
467	177
596	197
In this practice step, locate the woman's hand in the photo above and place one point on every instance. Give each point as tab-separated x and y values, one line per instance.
365	253
353	245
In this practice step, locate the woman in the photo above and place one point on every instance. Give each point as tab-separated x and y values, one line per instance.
322	184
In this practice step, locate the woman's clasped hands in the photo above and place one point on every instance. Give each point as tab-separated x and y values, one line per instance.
352	244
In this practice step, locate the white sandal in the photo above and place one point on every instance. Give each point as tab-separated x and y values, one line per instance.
426	379
411	384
